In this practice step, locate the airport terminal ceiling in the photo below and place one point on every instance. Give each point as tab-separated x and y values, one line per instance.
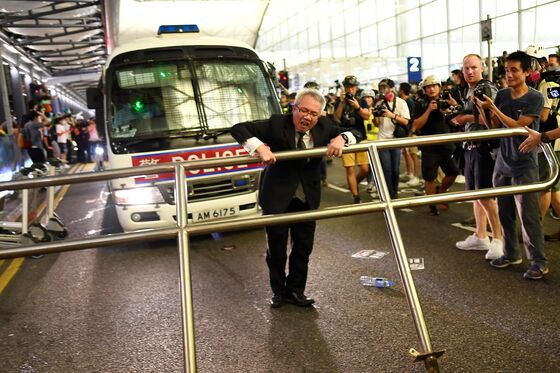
67	42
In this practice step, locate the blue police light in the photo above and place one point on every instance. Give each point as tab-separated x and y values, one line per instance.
177	29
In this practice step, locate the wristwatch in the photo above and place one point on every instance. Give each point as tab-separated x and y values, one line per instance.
344	137
544	137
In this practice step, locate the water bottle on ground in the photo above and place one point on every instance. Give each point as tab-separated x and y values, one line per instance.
379	282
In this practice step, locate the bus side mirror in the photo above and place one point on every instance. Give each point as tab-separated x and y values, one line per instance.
94	98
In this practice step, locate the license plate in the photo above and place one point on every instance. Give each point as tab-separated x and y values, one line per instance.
215	214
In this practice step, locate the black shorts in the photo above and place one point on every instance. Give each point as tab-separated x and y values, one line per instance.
479	167
63	147
432	160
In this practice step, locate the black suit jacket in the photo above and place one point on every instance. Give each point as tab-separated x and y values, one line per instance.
280	180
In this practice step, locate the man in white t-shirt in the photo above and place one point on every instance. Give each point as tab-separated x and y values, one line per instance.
394	111
62	131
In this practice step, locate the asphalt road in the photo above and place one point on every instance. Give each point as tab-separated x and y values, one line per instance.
117	309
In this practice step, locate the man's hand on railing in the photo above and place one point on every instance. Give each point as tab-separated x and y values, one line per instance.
265	154
335	147
531	142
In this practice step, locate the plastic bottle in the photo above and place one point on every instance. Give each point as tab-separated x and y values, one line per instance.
380	282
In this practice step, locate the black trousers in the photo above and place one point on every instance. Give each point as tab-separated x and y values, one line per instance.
302	235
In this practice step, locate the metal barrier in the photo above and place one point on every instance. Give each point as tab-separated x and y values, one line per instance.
182	231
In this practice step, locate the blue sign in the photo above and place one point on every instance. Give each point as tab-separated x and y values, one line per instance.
414	69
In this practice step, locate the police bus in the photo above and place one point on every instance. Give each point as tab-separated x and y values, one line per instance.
174	97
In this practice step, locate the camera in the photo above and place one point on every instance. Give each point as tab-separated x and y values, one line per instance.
378	110
481	90
442	104
348	96
446	94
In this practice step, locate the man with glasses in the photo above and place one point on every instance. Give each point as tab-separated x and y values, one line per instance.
292	185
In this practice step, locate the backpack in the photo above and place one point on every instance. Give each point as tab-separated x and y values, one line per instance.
24	139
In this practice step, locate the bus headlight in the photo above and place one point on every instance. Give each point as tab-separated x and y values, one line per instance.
138	196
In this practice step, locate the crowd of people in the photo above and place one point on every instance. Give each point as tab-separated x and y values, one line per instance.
466	101
42	135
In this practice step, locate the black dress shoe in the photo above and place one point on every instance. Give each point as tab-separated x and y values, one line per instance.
276	301
298	299
552	237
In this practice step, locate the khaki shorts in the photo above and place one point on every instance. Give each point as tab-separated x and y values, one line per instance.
351	159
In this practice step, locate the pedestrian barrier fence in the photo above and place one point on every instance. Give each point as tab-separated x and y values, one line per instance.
183	230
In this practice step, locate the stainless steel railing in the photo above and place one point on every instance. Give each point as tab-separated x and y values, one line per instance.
183	230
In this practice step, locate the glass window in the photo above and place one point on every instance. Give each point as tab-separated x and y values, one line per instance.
351	19
434	17
388	30
410	49
339	49
432	48
409	25
326	50
324	31
547	24
313	34
369	39
463	13
384	10
337	26
353	44
367	13
504	32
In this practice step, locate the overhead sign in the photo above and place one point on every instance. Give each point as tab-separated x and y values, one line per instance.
414	69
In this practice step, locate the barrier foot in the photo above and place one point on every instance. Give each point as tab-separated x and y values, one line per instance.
429	359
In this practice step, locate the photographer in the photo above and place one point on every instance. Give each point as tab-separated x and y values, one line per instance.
430	120
390	111
351	115
479	162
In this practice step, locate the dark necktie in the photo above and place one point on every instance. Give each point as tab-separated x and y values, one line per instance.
300	144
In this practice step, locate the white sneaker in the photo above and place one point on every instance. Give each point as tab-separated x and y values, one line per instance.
370	188
460	179
496	250
414	181
474	243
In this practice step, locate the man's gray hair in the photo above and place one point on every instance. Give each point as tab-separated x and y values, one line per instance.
315	94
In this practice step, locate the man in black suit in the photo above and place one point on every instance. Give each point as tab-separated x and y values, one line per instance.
290	186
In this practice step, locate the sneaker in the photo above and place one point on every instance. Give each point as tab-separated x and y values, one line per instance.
370	187
553	215
495	250
473	242
357	199
414	181
503	262
460	179
536	272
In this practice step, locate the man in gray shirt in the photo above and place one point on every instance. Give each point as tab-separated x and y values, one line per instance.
515	107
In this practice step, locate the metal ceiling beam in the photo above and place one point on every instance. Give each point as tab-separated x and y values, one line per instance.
32	40
32	15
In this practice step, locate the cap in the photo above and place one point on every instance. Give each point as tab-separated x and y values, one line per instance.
368	93
350	80
431	80
535	50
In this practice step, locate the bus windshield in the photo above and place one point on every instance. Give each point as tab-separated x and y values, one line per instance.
186	98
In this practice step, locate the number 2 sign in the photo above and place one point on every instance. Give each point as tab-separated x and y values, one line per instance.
414	68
